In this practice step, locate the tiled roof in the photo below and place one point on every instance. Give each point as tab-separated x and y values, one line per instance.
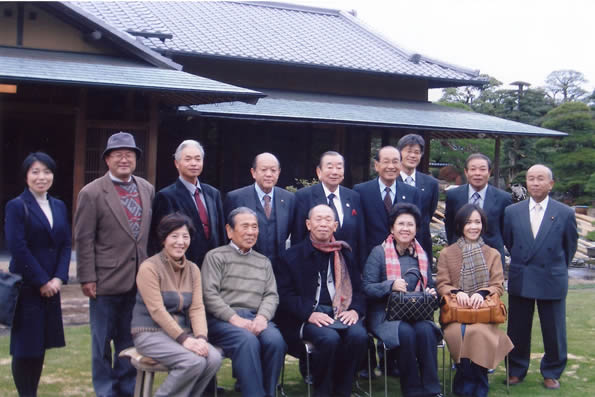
272	32
18	65
443	121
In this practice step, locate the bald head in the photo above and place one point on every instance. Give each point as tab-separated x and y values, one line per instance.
265	171
540	182
321	223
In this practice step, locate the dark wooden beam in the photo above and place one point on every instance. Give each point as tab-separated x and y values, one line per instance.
497	162
153	137
80	140
118	124
425	160
27	108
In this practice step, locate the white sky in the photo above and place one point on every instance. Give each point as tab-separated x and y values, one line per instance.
508	39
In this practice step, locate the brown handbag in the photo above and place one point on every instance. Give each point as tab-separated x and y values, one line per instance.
492	310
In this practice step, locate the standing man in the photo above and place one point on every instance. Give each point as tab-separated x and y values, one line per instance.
411	148
478	168
344	202
380	194
541	235
199	201
240	296
111	231
322	302
274	206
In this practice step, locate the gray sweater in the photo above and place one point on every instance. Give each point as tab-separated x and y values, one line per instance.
232	281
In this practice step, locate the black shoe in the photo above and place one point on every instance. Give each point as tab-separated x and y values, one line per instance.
237	388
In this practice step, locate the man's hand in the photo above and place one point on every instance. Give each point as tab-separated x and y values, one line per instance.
89	289
259	324
241	322
349	317
198	346
320	319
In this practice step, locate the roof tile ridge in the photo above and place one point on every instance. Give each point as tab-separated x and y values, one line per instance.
289	6
401	50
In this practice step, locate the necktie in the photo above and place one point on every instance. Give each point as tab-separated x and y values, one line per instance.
475	198
267	205
410	181
535	219
331	203
202	213
388	203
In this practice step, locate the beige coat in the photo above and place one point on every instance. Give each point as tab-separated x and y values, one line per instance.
484	344
106	251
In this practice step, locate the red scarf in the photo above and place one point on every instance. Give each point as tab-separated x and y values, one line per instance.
393	267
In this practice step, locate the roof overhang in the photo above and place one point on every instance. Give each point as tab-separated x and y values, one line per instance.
440	121
173	86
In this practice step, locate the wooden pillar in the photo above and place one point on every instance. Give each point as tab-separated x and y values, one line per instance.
80	139
153	138
425	160
497	162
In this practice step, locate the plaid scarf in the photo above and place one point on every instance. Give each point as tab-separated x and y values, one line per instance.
393	267
343	288
474	271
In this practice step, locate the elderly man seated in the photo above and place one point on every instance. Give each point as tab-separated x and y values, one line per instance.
321	301
240	297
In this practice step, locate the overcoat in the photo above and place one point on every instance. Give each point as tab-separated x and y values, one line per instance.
484	344
39	253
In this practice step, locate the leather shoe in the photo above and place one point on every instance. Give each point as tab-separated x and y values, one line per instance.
551	384
514	380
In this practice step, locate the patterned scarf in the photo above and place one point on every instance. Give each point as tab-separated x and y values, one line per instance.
474	271
343	288
393	267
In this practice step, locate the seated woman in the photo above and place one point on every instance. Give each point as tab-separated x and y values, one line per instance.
472	270
168	319
415	341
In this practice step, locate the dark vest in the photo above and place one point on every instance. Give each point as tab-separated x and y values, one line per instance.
267	233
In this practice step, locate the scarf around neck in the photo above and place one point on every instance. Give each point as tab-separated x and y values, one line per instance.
343	287
474	271
393	266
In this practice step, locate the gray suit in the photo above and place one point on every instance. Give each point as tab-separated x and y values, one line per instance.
539	274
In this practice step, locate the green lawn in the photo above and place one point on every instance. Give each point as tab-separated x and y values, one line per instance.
67	371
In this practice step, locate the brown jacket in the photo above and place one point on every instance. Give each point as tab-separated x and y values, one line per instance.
485	344
106	251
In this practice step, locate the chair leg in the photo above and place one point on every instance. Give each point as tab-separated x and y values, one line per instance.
507	377
281	387
308	371
444	368
138	386
369	374
450	373
148	384
385	370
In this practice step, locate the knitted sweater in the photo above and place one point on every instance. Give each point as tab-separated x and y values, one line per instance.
232	280
169	298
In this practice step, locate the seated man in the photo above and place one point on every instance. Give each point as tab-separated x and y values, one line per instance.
240	297
321	301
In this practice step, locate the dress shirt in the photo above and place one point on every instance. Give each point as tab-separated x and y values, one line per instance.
113	178
404	176
191	189
260	193
393	190
239	250
336	201
482	195
543	205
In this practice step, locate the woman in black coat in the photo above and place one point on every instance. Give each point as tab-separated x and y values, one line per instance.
39	240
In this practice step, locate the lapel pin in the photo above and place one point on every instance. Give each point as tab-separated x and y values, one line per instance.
403	197
282	200
346	204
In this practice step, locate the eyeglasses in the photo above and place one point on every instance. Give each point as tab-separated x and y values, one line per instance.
123	155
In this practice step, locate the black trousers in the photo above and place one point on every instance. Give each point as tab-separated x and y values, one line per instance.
26	373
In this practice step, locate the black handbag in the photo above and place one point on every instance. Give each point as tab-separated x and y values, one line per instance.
10	286
411	306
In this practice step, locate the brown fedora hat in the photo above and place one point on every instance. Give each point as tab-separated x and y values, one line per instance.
122	140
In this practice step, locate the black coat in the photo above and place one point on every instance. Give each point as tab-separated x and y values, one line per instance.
176	197
39	253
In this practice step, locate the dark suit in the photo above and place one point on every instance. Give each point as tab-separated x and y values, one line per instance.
495	201
428	188
350	231
337	353
38	253
538	273
176	197
377	227
282	207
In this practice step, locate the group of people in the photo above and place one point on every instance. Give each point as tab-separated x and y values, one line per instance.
178	272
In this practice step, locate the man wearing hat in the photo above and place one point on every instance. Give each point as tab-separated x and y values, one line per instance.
111	230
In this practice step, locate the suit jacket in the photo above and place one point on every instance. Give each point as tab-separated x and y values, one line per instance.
428	189
283	208
352	229
106	251
539	266
495	202
297	281
38	253
377	227
176	197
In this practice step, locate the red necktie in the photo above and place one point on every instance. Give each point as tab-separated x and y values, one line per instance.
202	213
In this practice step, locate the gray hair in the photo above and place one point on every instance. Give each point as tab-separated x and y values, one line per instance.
549	171
240	210
186	143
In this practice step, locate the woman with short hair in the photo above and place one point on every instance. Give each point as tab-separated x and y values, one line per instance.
472	270
38	238
168	320
386	270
